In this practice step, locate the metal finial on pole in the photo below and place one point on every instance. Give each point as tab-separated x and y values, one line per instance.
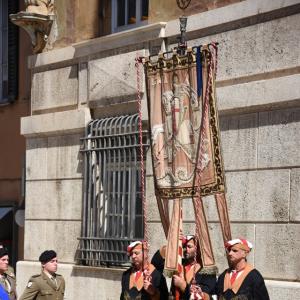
182	4
182	41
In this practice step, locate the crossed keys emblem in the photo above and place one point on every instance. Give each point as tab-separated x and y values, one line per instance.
183	4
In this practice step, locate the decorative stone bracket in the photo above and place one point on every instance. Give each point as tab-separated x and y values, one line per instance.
38	27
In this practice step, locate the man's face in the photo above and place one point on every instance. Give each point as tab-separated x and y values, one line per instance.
137	258
235	255
51	266
4	260
190	250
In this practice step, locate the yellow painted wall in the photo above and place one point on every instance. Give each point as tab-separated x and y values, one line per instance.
77	21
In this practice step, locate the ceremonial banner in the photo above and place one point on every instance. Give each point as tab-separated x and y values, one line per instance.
185	144
184	124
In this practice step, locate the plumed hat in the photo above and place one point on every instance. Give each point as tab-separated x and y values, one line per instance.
47	255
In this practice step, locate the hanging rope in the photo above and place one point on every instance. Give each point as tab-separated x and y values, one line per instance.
140	125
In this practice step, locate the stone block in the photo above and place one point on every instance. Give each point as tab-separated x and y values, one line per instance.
95	283
113	79
152	209
53	157
58	235
250	197
279	138
157	237
239	141
36	158
258	196
277	254
83	83
66	122
64	159
55	89
283	290
243	51
295	196
260	94
58	199
149	167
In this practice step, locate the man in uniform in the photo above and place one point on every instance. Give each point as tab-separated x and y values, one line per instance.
48	285
7	278
10	269
200	287
142	281
241	280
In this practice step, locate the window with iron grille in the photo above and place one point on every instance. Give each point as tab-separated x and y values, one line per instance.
8	52
112	199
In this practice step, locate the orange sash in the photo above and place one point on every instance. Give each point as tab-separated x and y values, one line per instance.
238	282
138	281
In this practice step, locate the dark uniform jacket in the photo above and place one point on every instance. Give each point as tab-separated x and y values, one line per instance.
10	277
41	287
207	283
250	286
136	291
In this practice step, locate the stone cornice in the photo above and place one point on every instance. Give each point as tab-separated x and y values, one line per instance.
201	24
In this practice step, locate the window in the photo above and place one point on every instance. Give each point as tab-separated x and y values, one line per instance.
8	52
112	200
127	14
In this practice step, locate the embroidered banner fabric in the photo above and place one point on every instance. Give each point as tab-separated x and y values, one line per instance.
184	124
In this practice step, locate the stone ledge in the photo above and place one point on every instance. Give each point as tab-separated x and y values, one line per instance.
203	21
68	122
283	289
112	41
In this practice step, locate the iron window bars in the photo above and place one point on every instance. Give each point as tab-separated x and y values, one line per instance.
112	200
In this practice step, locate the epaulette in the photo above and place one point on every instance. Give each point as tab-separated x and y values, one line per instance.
35	276
10	274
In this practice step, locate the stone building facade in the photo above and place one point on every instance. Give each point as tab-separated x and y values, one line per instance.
258	90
